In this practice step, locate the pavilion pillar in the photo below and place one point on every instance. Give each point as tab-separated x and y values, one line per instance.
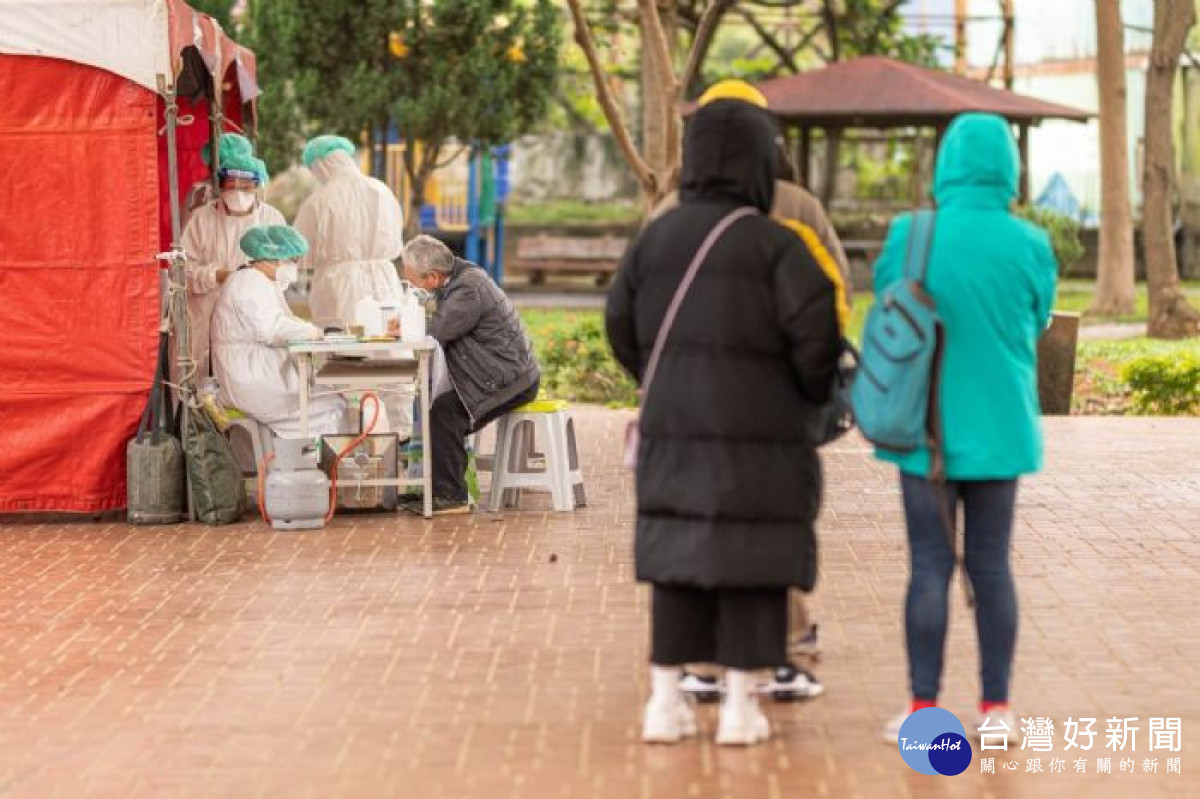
1023	147
918	173
802	161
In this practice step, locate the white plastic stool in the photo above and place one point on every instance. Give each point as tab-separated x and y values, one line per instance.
549	422
262	440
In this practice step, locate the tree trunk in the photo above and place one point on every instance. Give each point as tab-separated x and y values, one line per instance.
660	126
1116	289
1170	314
419	170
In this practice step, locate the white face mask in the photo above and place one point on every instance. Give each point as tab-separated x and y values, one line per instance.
286	274
238	201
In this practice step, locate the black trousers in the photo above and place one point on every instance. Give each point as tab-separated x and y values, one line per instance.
449	426
738	629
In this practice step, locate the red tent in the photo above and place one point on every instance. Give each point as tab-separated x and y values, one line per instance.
84	210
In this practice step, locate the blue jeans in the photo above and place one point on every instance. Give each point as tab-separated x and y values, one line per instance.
989	506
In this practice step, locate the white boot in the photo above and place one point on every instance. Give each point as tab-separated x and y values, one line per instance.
669	718
742	721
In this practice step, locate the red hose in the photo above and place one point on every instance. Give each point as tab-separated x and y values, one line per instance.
333	472
262	474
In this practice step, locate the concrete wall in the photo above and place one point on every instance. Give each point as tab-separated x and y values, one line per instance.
558	166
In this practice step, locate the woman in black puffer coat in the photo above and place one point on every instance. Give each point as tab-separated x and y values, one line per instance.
728	480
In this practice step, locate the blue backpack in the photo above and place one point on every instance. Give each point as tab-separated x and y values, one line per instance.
894	394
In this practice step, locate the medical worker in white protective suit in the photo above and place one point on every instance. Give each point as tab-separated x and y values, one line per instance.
251	328
211	239
355	230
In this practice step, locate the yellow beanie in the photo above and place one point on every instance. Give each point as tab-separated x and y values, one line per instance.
734	90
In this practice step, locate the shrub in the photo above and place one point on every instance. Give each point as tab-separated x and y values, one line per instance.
1164	385
1064	235
577	363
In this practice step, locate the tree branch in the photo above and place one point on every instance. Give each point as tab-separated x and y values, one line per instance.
659	48
781	52
831	28
612	110
705	29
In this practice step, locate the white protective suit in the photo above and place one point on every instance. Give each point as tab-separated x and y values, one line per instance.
251	328
355	233
211	243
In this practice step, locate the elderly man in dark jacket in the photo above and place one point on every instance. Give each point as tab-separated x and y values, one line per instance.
728	480
488	355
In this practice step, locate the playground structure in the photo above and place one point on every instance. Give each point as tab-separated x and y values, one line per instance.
464	197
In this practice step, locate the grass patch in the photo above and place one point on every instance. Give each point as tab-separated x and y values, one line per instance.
573	212
1076	295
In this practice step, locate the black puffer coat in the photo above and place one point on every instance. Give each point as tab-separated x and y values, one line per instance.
728	480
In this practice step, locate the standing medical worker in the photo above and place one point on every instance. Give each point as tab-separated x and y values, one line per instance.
214	231
355	228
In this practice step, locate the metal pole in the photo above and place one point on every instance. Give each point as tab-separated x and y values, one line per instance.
471	246
178	278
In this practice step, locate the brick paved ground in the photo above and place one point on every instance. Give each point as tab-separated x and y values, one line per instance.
460	659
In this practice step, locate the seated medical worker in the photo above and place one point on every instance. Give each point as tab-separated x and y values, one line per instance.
251	328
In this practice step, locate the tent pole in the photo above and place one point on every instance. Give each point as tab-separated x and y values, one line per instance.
177	276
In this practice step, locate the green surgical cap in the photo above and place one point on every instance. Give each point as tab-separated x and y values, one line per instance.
322	146
273	243
232	145
237	153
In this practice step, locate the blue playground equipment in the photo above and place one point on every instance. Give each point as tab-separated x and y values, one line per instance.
464	198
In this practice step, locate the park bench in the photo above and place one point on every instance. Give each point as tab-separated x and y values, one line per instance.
862	249
542	254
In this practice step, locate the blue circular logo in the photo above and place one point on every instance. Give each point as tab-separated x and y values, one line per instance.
933	741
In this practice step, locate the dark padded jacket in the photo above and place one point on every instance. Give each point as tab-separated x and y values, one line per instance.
488	353
728	480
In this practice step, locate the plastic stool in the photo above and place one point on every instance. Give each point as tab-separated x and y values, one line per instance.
549	422
262	440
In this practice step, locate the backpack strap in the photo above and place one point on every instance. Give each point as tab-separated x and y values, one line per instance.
920	244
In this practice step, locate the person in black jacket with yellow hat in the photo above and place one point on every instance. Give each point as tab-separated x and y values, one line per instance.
728	479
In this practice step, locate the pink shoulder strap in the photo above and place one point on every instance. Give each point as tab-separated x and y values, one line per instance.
684	285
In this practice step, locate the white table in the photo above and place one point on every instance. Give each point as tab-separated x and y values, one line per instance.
391	363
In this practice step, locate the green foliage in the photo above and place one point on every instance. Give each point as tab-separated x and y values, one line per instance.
269	29
1100	387
576	361
328	66
1064	235
1164	385
876	27
220	10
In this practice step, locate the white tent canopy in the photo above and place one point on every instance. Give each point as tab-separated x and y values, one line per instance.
136	39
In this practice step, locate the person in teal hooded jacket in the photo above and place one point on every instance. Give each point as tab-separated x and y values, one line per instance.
993	277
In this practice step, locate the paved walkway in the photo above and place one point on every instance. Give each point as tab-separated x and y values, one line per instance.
503	658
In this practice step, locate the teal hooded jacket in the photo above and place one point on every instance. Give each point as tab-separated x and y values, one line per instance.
993	277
